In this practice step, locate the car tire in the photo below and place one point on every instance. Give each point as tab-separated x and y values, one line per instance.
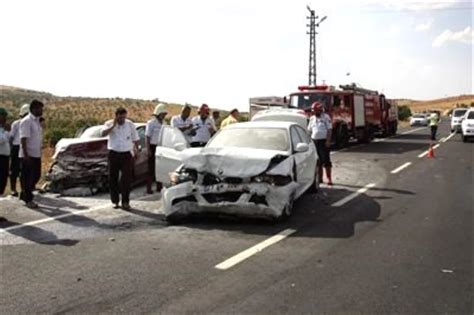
464	138
314	188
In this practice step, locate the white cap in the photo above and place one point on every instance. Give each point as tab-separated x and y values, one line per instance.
160	109
24	110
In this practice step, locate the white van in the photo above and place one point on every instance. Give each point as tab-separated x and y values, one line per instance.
456	119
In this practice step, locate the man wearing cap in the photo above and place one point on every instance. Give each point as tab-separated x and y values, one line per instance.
15	164
4	149
31	140
205	127
123	146
320	127
233	118
152	133
183	122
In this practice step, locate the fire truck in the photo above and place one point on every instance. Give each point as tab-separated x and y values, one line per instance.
355	112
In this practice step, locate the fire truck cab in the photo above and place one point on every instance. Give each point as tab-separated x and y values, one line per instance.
355	112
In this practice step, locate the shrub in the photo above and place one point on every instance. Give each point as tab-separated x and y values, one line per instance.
404	112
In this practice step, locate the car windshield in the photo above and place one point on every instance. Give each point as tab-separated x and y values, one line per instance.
470	115
304	101
92	132
418	116
255	138
459	113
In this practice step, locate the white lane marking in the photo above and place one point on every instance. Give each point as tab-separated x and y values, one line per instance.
234	260
400	168
426	152
238	258
62	216
412	130
423	154
353	195
449	137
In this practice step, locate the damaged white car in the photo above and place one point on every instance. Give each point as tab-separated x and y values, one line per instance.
255	169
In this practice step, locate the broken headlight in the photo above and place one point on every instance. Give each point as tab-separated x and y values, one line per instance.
276	180
183	175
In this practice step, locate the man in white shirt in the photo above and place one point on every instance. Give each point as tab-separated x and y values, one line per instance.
15	165
320	127
152	134
4	149
205	127
184	123
123	146
31	141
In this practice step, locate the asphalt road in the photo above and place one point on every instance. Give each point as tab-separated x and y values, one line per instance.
389	237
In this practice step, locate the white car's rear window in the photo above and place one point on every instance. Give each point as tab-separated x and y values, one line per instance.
256	138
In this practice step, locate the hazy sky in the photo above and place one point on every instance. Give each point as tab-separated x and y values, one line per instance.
223	52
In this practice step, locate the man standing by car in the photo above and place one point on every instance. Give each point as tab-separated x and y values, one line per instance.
434	120
4	150
233	118
31	140
152	137
123	146
183	122
15	164
320	126
205	127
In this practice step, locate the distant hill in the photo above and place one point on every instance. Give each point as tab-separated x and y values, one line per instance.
65	115
442	104
81	107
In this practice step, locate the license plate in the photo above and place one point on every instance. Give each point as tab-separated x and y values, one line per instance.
220	188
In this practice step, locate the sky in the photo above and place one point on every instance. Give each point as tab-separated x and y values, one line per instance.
223	52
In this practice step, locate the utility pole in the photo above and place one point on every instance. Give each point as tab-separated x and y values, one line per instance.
314	22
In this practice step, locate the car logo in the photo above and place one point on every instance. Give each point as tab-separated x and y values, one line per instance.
220	171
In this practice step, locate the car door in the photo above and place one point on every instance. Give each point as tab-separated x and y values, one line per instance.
141	160
307	160
168	153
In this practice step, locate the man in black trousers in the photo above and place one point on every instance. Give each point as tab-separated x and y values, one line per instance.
123	147
31	140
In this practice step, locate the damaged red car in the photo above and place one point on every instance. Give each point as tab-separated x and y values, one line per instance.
80	164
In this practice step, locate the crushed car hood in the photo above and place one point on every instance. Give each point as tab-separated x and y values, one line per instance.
232	162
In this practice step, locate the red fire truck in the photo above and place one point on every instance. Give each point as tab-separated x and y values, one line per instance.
356	112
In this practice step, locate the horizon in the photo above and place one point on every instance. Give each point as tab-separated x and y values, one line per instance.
223	53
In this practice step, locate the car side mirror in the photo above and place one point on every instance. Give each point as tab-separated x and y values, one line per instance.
301	147
179	146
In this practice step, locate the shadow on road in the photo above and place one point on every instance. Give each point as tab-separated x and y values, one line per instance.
390	147
37	235
313	216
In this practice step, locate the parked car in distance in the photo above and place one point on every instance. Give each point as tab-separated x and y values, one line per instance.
283	114
253	169
467	125
82	163
419	120
456	119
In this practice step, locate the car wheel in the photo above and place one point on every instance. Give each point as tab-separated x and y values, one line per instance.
464	138
313	189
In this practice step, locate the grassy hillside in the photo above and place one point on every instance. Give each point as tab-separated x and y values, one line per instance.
442	104
65	115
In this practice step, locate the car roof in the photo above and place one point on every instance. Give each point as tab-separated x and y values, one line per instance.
263	124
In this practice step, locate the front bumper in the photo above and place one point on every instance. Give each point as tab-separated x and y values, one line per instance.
456	127
248	200
469	131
